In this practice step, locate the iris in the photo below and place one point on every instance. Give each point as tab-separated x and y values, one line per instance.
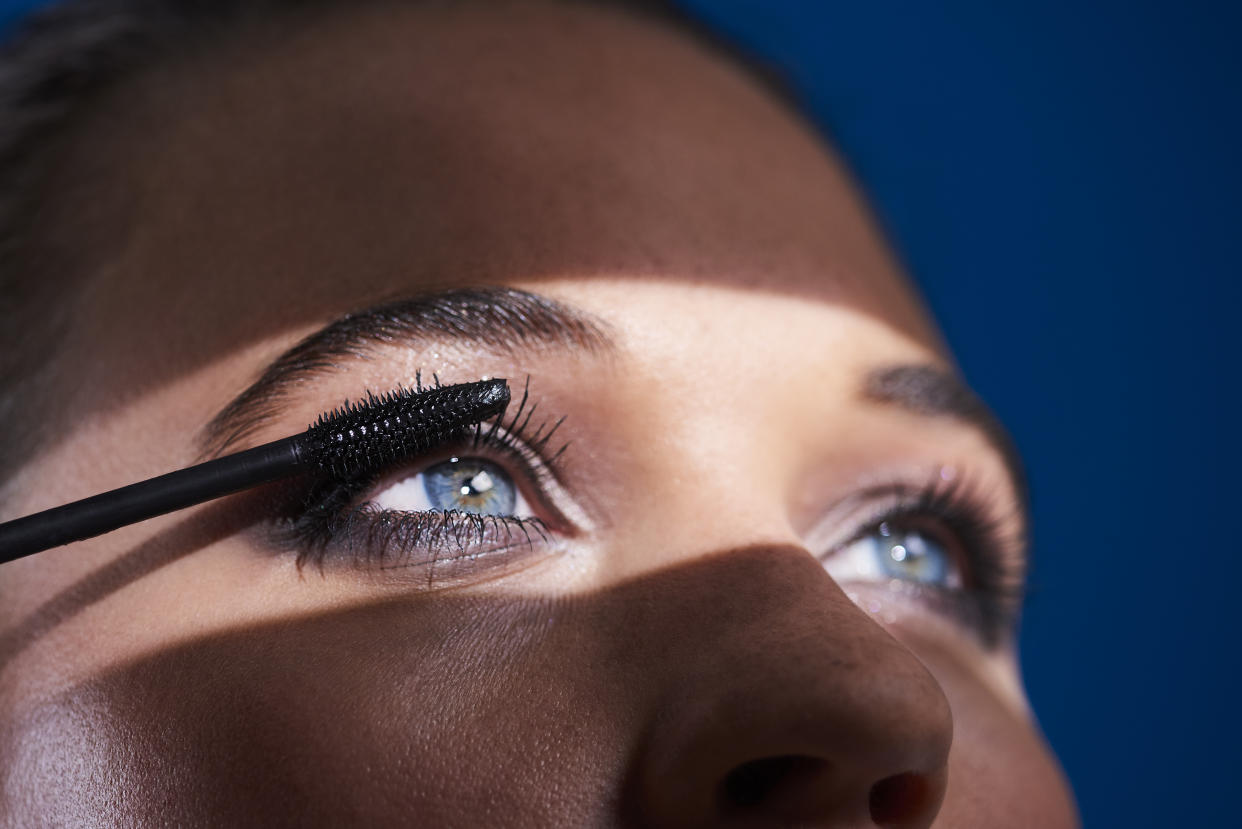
470	485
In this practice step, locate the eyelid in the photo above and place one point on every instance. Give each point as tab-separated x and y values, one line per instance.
848	519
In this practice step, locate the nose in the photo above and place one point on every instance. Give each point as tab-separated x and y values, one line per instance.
786	705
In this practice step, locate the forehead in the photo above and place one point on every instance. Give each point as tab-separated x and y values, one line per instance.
290	174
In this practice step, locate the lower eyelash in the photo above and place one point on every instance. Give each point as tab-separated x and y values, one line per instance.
389	539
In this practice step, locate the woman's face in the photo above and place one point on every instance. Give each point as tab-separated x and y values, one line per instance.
769	579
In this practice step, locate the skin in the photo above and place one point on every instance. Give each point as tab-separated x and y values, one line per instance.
682	627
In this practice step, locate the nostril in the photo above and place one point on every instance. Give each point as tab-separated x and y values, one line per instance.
758	782
900	800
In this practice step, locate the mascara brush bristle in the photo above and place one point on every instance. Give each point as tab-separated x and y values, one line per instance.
403	423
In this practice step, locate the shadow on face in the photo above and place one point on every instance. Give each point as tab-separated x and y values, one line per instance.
742	688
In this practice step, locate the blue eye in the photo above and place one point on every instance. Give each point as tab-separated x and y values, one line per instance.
892	552
469	485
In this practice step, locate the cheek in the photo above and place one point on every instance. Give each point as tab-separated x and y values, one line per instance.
364	716
1001	772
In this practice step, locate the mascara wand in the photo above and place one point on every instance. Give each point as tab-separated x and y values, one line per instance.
381	430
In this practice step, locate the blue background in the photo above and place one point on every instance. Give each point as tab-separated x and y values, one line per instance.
1063	181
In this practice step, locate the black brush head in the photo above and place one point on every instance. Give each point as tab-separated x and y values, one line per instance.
367	435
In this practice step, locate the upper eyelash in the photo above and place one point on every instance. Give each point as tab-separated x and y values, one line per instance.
992	538
513	437
325	511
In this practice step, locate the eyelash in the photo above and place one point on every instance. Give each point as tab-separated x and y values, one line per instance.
323	522
982	531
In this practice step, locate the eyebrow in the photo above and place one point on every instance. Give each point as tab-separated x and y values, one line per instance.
499	319
932	391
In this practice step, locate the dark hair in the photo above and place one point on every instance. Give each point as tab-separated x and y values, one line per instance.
57	68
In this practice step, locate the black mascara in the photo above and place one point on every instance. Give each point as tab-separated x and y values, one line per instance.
382	429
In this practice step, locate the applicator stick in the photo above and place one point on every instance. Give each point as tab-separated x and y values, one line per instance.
353	439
